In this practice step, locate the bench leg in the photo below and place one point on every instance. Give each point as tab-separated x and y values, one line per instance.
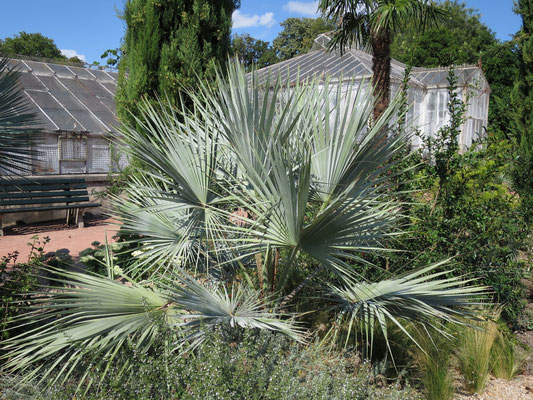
79	217
1	225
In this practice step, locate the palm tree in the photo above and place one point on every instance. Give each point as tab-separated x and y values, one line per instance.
231	196
373	23
17	124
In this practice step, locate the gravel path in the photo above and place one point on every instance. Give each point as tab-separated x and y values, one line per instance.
520	388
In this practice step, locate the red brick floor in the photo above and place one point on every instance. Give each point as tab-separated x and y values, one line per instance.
61	237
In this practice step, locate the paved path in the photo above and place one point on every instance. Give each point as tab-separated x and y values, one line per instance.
61	237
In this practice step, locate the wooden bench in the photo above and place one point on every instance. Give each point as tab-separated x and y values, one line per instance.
45	194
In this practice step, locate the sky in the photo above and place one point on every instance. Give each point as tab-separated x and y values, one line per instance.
87	28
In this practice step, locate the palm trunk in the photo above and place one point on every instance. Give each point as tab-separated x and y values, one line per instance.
381	67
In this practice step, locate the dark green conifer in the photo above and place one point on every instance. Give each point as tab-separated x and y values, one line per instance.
523	104
169	45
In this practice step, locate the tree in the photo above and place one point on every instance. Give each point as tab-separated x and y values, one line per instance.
374	23
234	218
523	104
32	45
459	38
251	51
298	35
169	46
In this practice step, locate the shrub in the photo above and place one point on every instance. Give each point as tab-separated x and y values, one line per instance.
248	365
461	205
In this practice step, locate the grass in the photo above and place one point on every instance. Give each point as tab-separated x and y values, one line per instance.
474	353
506	357
433	359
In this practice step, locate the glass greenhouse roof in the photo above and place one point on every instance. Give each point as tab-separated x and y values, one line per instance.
354	63
68	98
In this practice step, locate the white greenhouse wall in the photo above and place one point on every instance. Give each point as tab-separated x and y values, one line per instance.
60	154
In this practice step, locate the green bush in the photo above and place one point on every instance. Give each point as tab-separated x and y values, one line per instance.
249	365
462	205
17	283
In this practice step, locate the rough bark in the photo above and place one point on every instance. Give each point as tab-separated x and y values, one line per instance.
381	67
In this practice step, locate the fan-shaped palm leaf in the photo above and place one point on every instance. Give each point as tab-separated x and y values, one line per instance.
420	297
90	316
17	124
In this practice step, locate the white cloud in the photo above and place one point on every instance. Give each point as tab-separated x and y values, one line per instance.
307	8
72	53
247	21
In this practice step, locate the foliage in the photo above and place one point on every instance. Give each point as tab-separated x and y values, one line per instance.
17	283
522	102
459	38
474	353
168	46
460	205
507	358
31	44
374	24
252	52
17	124
298	35
433	359
232	365
233	197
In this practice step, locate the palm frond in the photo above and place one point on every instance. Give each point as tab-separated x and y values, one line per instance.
420	297
17	124
91	317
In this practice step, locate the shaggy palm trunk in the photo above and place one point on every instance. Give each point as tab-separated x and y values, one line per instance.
381	67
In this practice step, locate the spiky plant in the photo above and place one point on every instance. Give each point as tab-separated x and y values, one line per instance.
17	124
230	196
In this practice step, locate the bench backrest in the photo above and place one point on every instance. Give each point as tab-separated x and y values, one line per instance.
15	192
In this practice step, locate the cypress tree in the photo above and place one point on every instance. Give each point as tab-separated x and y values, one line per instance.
169	45
523	104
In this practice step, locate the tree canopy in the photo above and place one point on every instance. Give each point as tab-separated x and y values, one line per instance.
298	35
251	51
33	45
459	38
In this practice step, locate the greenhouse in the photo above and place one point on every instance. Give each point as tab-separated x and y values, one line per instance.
76	110
428	87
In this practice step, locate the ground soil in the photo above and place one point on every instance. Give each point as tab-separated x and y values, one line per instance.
66	238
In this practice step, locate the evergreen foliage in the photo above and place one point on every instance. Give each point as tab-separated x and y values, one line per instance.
523	104
298	35
251	51
460	38
170	45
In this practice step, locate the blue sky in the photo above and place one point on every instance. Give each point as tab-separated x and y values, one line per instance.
88	28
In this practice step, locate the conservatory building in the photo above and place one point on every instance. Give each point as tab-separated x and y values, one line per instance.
75	108
428	91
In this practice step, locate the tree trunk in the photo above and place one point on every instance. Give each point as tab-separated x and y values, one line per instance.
381	67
